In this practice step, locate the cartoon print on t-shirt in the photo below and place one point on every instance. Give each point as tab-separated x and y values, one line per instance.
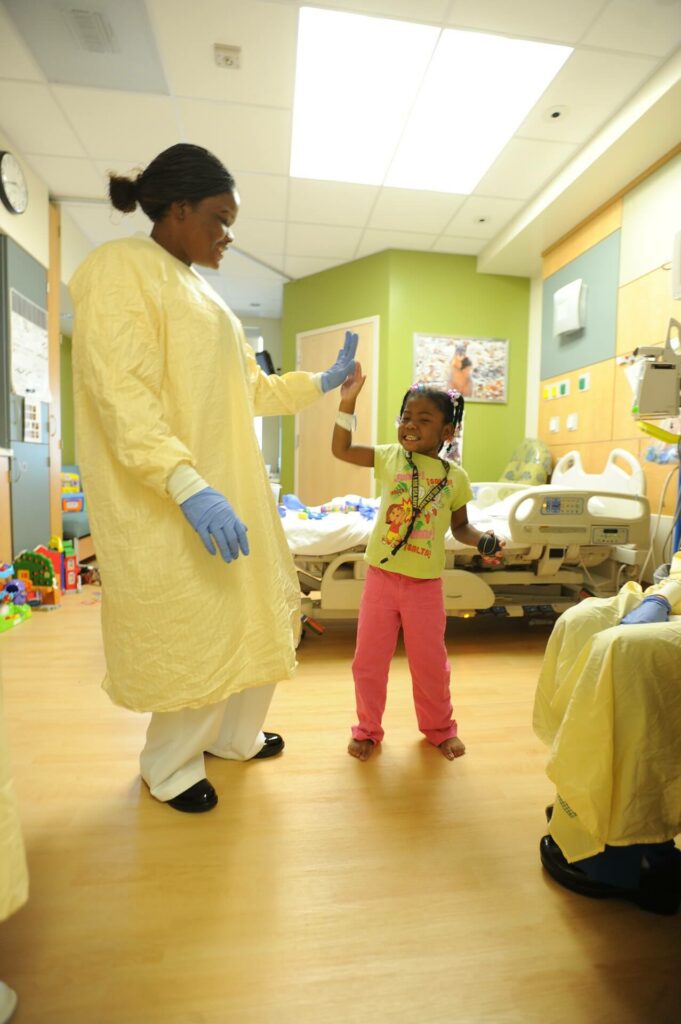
396	516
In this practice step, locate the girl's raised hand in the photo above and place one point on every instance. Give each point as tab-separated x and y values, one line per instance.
353	383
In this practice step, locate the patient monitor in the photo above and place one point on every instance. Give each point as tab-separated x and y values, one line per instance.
655	376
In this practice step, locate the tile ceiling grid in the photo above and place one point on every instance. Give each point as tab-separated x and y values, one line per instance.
292	224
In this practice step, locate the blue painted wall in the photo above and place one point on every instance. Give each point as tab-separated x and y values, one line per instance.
598	267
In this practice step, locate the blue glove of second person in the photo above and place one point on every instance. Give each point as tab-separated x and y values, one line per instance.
213	518
651	609
344	365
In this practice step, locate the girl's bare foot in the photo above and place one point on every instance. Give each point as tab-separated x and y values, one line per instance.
451	748
361	749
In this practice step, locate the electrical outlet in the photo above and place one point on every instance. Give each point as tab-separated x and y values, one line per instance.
227	56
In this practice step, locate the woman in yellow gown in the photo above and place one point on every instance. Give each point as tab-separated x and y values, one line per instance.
165	391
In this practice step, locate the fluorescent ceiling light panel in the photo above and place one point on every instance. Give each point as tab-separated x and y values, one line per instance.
477	91
410	106
356	80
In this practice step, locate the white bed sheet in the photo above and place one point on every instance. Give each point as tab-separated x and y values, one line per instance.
343	531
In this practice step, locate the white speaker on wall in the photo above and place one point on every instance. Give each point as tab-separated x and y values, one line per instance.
569	308
676	266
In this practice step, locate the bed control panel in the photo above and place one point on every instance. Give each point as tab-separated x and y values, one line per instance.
609	535
562	506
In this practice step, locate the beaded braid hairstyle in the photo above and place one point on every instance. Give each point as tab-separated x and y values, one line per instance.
450	403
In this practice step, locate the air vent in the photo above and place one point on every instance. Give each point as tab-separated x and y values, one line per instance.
91	31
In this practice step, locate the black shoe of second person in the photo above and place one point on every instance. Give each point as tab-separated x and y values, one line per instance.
659	889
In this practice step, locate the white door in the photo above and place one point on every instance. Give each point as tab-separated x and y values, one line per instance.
318	475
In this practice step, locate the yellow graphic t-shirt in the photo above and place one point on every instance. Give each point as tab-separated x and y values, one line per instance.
423	556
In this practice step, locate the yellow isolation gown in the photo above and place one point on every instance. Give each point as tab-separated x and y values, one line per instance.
608	704
163	376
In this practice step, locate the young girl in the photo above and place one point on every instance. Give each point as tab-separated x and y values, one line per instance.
422	494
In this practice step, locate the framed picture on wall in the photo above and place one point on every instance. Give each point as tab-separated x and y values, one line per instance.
477	367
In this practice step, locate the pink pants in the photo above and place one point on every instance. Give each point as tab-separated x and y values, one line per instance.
388	601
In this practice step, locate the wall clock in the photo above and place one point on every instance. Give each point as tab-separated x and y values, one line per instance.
13	187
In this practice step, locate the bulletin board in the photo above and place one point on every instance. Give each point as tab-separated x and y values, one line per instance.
28	349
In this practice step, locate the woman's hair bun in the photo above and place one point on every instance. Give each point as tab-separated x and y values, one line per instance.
123	193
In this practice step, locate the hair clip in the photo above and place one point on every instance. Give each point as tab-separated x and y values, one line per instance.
418	387
454	394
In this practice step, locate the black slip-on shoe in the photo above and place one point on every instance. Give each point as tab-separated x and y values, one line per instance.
659	889
274	744
198	798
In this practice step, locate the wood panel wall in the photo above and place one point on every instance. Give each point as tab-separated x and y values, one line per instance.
604	420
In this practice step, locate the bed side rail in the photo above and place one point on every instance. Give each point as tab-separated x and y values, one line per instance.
558	517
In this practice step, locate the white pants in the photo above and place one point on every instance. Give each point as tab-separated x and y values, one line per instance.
172	759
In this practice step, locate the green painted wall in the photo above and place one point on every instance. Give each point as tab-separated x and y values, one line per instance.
68	437
430	293
350	292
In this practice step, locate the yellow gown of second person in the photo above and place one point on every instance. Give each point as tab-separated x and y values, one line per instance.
608	705
163	376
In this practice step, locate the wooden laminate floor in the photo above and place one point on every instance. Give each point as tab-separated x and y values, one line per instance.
321	890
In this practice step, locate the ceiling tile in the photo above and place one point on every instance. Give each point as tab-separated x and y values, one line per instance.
103	224
262	195
244	138
266	33
523	166
590	86
497	212
639	26
552	20
378	241
320	241
424	212
256	236
16	60
117	125
243	286
65	176
273	262
304	266
330	202
459	246
34	122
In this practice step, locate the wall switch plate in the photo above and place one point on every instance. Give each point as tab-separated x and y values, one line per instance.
584	382
554	424
572	421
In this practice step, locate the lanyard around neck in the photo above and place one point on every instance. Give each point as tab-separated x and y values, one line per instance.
416	508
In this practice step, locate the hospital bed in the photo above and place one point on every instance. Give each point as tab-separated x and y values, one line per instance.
580	532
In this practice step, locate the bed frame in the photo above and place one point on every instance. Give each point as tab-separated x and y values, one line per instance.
561	541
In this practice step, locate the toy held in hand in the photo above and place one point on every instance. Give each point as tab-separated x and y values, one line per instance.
489	544
651	609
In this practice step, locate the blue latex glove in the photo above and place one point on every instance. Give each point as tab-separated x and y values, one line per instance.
344	365
651	609
213	518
